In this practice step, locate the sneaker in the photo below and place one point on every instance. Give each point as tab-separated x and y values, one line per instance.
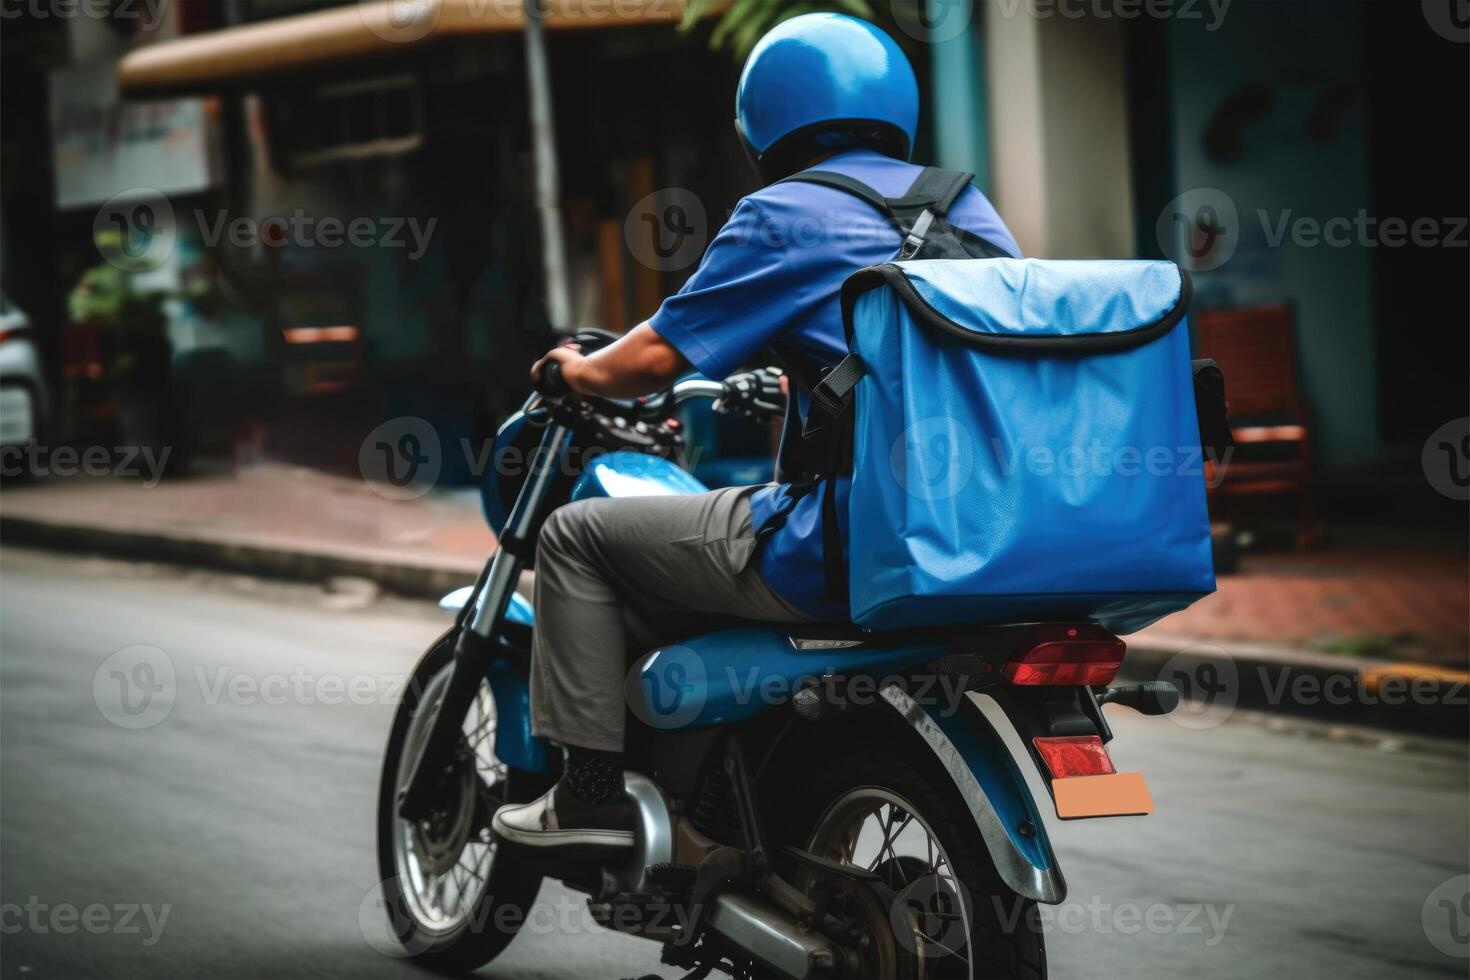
559	819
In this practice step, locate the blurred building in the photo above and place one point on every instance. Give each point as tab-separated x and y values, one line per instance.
1283	151
1201	131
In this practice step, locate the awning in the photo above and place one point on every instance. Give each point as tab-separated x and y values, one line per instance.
238	55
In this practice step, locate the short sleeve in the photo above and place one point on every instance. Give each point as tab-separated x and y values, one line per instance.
742	296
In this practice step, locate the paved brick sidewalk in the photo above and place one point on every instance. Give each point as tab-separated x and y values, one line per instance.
264	506
1382	603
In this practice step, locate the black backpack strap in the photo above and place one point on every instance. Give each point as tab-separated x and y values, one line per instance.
928	199
831	396
926	202
934	190
842	182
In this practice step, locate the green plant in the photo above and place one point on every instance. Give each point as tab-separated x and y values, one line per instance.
746	21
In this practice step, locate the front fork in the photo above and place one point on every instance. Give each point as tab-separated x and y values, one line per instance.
476	648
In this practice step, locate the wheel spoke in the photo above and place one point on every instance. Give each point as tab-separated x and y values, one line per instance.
445	868
871	819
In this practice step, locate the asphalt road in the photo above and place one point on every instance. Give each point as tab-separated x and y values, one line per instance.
233	837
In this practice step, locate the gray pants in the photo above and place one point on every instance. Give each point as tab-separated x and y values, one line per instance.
678	565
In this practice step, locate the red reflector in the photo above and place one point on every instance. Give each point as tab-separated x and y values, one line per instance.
1075	755
1068	655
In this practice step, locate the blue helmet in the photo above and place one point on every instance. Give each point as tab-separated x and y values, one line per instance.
825	80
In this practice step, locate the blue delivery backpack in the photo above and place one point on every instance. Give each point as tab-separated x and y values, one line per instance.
1023	439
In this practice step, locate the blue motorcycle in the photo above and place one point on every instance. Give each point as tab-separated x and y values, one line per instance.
814	801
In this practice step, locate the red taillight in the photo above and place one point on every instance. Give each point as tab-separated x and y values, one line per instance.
1068	655
1076	755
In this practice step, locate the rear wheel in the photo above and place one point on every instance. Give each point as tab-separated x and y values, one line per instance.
937	908
454	897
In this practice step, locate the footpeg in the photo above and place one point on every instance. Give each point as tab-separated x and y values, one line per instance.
1149	698
675	878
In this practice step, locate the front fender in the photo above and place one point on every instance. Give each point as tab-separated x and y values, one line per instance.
988	779
514	744
519	610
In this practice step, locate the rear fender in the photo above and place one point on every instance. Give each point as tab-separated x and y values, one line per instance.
1000	803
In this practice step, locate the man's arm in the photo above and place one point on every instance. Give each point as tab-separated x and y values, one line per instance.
637	363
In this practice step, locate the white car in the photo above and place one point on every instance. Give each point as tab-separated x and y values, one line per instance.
24	400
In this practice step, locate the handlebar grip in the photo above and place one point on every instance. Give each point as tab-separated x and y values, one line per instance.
551	384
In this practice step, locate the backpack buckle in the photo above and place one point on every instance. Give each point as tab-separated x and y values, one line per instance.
915	239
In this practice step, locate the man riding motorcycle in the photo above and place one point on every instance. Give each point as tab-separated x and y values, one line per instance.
819	89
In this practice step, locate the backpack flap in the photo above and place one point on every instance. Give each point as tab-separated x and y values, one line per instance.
1025	444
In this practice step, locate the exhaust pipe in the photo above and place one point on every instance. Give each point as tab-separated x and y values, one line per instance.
763	932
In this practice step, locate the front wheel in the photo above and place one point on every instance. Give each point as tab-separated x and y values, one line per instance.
937	908
454	897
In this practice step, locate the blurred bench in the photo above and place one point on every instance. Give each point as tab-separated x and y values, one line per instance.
1269	416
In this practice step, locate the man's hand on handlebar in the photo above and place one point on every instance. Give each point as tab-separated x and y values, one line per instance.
638	363
555	373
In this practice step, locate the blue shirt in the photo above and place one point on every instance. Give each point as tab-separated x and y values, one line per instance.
772	278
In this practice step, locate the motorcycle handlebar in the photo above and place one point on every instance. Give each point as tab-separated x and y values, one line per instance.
697	388
552	386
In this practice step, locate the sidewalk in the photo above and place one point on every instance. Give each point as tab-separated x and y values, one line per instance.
1376	603
268	519
1349	614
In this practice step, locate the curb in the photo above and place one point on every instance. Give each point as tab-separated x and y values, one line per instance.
1324	687
250	555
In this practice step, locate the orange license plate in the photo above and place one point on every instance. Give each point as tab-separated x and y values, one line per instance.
1119	794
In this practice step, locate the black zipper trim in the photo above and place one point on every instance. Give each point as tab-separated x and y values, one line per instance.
1070	345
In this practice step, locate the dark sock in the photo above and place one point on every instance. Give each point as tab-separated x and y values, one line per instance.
594	778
